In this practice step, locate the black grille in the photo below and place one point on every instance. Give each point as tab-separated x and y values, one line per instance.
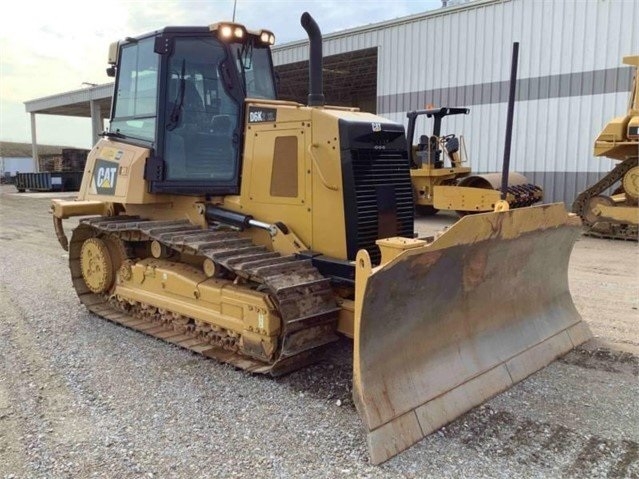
383	195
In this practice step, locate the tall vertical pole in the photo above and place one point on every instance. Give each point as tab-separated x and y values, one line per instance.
34	144
509	121
96	120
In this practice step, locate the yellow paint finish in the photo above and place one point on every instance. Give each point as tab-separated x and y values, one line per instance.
266	151
263	142
287	243
186	290
131	188
461	198
618	214
316	214
630	182
428	171
427	178
633	104
363	271
173	207
329	231
390	248
346	317
469	229
613	141
455	347
507	225
68	208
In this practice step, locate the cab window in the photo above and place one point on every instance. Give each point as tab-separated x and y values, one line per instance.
201	116
136	93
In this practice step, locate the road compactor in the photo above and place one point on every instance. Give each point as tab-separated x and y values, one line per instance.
255	231
616	215
443	180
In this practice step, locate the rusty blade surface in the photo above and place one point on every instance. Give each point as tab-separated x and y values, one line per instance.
443	327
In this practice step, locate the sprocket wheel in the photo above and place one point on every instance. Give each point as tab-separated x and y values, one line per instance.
96	264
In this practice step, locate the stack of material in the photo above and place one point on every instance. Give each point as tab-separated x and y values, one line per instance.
72	159
47	162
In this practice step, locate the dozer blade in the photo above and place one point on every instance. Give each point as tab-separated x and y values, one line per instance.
440	327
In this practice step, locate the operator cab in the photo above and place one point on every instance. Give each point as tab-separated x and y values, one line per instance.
180	91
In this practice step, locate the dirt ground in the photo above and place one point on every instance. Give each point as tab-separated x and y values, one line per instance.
82	397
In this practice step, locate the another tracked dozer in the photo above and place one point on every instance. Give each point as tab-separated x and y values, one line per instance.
255	231
617	215
442	180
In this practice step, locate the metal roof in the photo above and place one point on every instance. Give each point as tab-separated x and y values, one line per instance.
77	102
73	103
391	23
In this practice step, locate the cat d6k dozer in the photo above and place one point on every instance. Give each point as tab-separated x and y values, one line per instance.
255	231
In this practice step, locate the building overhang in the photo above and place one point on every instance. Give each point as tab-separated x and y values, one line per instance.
73	103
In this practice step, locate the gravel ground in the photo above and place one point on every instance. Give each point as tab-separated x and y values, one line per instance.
82	397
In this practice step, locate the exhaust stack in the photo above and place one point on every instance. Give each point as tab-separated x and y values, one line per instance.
316	89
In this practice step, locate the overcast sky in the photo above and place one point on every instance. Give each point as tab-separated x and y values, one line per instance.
50	47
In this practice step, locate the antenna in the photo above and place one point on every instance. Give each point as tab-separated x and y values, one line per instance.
234	5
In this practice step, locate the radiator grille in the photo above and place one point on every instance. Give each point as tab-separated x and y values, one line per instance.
376	172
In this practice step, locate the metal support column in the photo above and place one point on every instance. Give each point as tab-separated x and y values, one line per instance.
34	144
96	120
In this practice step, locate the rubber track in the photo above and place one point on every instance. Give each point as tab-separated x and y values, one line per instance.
303	297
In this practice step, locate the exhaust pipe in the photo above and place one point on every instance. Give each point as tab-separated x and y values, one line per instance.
316	89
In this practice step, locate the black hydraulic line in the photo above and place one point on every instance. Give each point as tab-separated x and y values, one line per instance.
509	121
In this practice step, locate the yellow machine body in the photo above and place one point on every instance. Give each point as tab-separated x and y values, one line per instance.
616	215
469	323
266	277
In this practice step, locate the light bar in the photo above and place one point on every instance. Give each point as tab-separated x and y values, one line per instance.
229	31
267	37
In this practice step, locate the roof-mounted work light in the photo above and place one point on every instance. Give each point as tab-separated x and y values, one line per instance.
229	32
267	37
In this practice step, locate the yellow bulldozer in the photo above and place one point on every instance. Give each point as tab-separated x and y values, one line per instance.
442	180
617	215
255	231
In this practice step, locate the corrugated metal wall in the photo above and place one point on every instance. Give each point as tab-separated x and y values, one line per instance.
571	78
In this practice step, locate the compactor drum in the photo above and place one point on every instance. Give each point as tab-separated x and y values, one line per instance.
616	215
254	231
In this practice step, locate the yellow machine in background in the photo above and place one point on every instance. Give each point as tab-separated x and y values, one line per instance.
254	231
441	186
617	215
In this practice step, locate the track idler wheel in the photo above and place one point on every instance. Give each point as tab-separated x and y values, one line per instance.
96	265
630	184
591	216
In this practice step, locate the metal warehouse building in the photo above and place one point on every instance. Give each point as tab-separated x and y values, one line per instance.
571	78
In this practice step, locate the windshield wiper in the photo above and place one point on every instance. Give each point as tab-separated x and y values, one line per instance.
174	117
240	58
112	134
